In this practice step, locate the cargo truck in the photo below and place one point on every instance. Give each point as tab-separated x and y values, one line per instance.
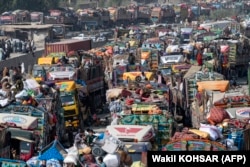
163	15
70	103
37	17
168	14
105	17
15	17
32	128
21	128
89	19
60	16
67	46
120	16
156	15
143	14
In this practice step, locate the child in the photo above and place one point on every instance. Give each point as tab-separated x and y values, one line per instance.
101	163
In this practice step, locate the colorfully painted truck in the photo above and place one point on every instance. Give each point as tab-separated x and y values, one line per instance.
32	127
21	129
70	103
120	16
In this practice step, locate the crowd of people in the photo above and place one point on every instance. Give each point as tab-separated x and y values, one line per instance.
8	46
86	138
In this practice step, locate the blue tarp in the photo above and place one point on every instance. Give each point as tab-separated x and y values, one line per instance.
54	151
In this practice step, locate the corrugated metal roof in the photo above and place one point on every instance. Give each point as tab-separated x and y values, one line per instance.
13	27
191	71
67	41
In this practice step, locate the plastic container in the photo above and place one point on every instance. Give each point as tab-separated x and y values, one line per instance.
238	139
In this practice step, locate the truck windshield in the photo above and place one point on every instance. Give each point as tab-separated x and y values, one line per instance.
166	71
25	147
135	156
185	38
38	73
67	100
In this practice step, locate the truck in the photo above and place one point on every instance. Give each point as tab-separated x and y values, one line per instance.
77	85
163	14
183	12
120	16
70	103
39	69
21	16
60	16
150	58
156	16
78	97
93	77
45	121
143	14
105	17
15	17
134	137
168	14
37	17
21	128
68	45
7	18
89	19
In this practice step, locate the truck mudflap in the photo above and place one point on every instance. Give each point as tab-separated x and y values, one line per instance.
10	162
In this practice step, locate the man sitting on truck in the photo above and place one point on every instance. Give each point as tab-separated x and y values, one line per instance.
90	137
79	138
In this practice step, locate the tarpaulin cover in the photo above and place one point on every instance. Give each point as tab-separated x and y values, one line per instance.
55	151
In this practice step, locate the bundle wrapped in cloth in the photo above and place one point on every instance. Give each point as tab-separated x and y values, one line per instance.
184	135
217	115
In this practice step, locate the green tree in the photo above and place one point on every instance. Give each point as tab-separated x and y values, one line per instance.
31	5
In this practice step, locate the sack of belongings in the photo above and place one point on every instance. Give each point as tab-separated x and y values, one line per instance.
112	160
113	93
213	131
217	115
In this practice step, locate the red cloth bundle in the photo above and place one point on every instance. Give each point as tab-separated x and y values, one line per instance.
217	115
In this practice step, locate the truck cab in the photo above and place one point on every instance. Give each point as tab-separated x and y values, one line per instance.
156	15
69	98
21	128
186	35
25	148
44	63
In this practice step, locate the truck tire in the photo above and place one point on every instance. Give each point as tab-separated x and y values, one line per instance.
97	151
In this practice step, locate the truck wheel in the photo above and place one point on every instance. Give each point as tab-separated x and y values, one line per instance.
138	79
97	151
